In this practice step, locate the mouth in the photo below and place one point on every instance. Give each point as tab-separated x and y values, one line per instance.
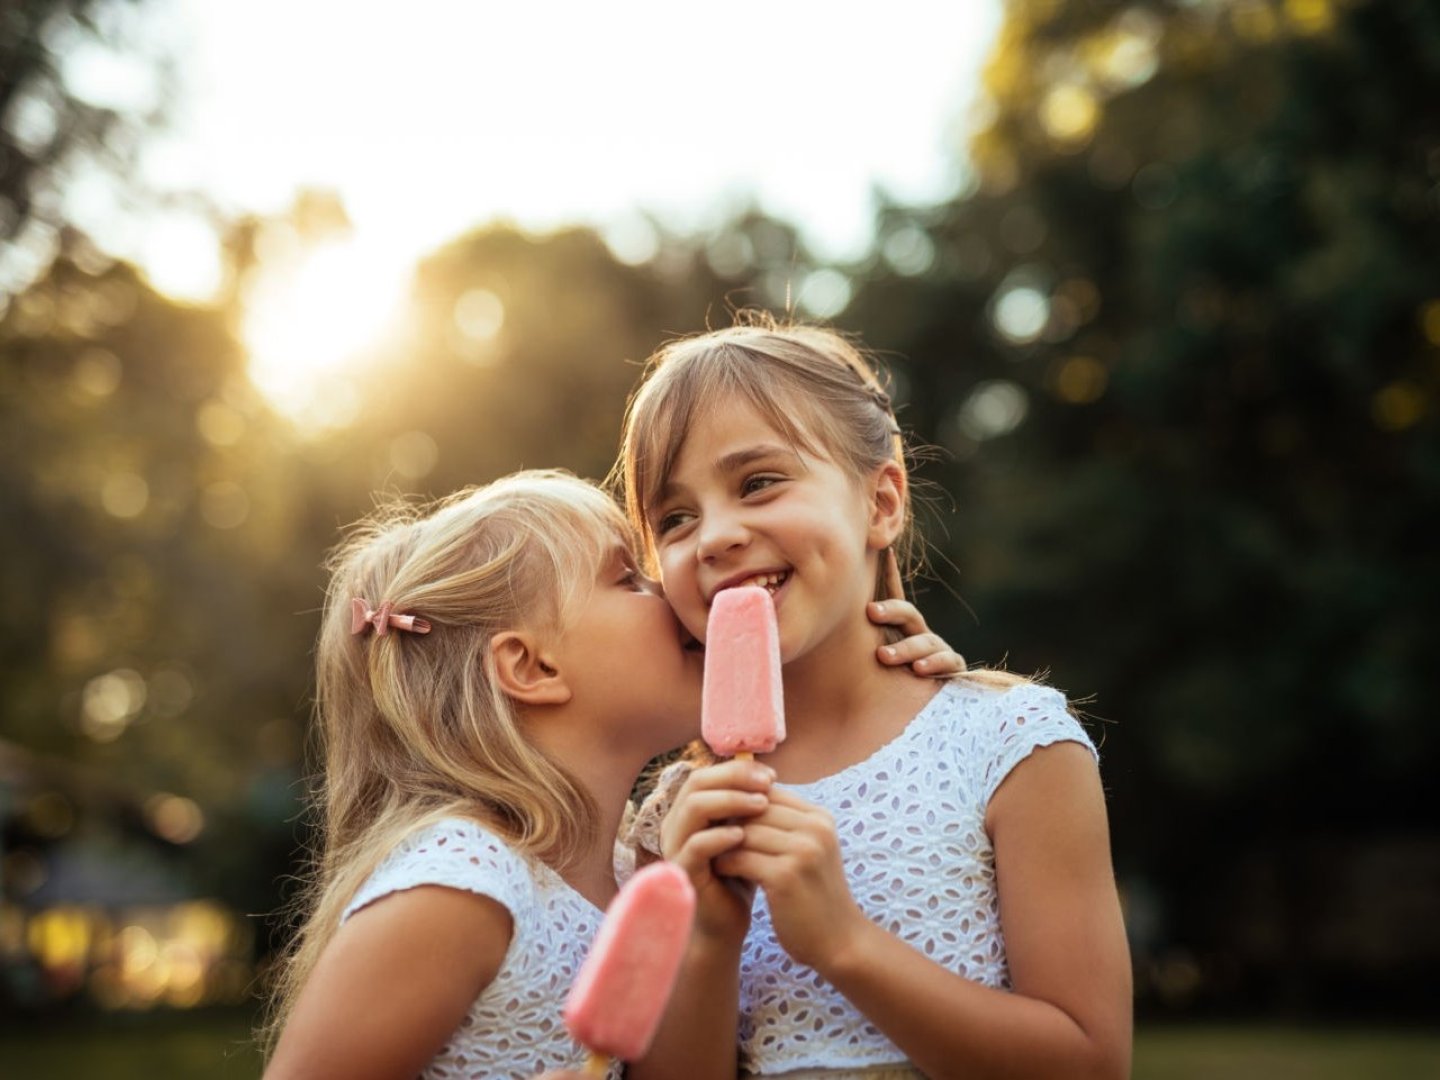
772	581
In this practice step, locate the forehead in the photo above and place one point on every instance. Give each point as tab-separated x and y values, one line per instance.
725	420
727	437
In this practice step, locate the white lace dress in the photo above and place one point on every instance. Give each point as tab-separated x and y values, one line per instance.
514	1028
911	824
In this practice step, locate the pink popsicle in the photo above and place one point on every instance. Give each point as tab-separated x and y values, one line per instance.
621	991
743	705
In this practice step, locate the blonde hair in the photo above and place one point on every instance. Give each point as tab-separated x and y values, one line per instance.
415	728
818	389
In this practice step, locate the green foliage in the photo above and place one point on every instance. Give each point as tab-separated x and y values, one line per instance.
52	130
1180	346
1215	516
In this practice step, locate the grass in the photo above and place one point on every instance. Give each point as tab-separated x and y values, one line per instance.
216	1046
1281	1053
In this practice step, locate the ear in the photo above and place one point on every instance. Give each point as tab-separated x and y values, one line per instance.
524	672
888	499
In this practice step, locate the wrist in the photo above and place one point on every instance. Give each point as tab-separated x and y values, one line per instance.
715	948
851	951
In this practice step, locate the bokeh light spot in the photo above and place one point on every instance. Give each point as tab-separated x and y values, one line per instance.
632	239
224	504
1069	114
414	454
110	702
1310	16
171	691
1129	55
1021	313
181	257
1254	21
1397	406
824	293
1079	380
33	117
219	424
479	314
908	251
174	818
1430	322
124	495
730	254
96	374
994	408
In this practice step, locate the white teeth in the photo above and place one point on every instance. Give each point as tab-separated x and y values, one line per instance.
765	581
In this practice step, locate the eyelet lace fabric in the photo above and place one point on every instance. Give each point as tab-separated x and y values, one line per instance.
911	825
514	1027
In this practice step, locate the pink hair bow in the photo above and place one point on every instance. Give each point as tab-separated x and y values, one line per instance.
363	616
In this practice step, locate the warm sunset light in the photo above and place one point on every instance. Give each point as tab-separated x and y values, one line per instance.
310	322
339	343
536	115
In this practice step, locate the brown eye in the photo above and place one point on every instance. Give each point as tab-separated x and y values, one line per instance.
759	482
670	521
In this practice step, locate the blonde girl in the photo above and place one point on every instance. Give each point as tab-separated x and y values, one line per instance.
903	823
492	674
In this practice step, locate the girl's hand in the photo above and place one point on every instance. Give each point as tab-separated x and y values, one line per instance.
793	853
704	823
925	652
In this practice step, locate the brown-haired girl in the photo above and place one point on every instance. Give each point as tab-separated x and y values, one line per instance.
933	859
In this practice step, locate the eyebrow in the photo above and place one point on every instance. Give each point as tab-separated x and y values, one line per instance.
738	459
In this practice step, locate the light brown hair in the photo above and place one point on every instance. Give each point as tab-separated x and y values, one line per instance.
817	388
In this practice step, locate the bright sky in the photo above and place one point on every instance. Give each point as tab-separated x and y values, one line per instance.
433	117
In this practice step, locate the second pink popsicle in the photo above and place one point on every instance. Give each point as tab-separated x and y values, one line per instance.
624	985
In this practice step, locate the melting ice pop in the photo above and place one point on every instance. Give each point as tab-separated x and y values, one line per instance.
621	991
743	705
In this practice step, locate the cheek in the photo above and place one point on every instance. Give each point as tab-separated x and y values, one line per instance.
679	588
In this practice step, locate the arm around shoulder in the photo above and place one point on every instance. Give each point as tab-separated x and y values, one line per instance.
395	981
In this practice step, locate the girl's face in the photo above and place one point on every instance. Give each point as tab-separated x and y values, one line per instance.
743	507
626	659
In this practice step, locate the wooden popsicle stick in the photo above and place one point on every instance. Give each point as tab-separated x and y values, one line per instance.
596	1064
744	755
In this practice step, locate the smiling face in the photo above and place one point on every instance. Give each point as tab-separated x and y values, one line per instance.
624	655
741	505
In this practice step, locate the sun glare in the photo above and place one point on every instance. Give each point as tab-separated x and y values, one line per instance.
314	324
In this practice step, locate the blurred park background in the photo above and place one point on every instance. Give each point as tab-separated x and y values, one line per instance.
1174	329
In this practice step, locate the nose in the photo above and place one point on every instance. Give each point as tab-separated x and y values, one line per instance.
720	533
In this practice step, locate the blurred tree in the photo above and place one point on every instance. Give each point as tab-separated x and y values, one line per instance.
1183	341
149	571
77	86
